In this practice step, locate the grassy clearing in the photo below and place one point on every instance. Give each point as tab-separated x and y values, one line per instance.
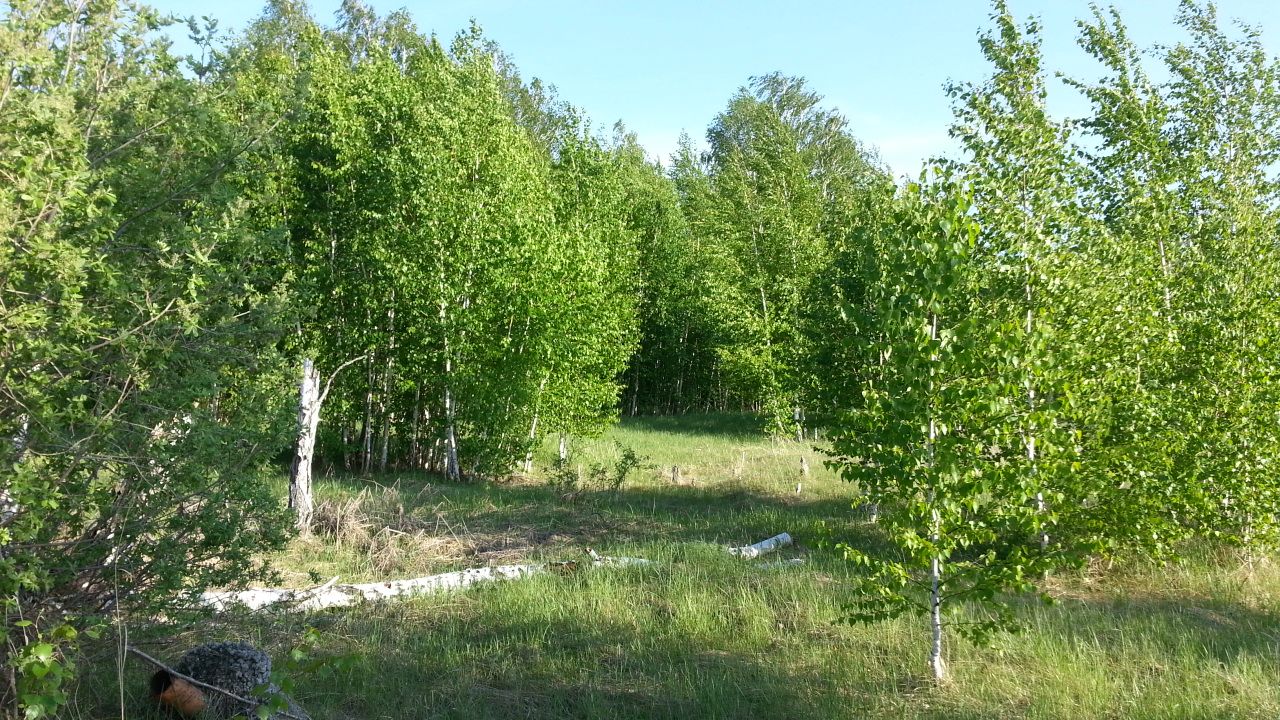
703	635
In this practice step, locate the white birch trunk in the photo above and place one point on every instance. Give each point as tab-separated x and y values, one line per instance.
387	416
533	428
300	499
873	507
346	447
1164	269
366	433
451	469
533	437
1031	459
8	507
21	439
635	393
387	419
415	456
936	664
333	595
1031	408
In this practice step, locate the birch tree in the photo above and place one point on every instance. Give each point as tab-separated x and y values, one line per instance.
1184	190
927	442
674	367
489	285
779	170
595	328
1018	162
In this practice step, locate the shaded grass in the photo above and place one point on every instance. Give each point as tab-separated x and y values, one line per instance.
703	635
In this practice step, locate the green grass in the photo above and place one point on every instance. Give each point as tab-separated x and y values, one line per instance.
703	635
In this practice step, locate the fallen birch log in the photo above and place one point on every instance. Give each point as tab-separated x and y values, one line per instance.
761	548
599	560
331	594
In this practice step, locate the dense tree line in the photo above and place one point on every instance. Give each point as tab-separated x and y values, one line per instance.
766	207
181	233
1057	345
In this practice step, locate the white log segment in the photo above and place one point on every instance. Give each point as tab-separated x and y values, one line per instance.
599	560
761	548
331	594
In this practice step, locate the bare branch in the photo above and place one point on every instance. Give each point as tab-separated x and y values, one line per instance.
333	376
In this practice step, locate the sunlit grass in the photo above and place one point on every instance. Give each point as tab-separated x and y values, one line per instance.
702	635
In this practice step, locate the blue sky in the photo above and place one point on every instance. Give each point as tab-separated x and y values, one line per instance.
665	66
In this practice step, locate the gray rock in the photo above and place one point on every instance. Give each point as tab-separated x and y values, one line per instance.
238	668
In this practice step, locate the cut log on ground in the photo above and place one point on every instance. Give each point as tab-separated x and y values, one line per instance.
331	594
763	547
600	560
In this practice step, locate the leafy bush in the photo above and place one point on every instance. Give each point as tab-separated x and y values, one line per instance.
143	303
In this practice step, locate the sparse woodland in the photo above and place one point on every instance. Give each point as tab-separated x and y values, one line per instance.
1054	351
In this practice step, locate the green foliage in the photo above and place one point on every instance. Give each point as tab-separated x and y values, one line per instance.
433	297
628	461
1060	344
675	368
934	440
492	292
1091	370
45	666
143	295
592	294
568	478
1183	177
301	664
766	206
1021	170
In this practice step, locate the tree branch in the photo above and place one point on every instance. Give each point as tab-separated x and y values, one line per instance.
134	330
334	375
213	173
